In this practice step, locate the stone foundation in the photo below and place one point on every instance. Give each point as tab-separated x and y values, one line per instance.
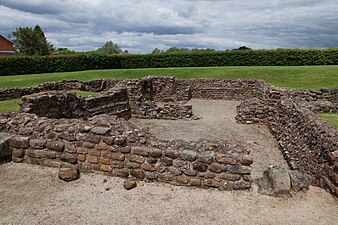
118	148
108	144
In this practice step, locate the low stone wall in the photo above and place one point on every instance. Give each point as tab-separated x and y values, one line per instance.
69	105
308	144
118	148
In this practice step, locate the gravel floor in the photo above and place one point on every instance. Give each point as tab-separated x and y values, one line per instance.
34	195
218	122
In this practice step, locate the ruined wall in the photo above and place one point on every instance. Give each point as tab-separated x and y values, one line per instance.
117	147
69	105
308	144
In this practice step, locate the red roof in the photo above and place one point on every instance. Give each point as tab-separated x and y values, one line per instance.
5	45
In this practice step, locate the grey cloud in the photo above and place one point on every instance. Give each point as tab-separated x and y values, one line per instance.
141	26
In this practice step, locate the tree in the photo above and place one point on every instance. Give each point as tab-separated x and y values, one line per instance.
243	48
29	41
157	51
109	48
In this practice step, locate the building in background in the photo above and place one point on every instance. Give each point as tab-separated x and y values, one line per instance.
6	46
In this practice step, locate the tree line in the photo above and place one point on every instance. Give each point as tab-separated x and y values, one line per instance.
32	41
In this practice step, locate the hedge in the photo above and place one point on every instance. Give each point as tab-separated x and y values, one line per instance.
284	57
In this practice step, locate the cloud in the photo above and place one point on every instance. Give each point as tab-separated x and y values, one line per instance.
141	26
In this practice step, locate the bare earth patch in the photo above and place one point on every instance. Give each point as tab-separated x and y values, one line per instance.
34	195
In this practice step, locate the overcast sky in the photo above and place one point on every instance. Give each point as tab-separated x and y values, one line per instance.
142	25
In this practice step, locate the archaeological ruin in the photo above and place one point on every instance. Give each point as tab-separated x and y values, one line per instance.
61	129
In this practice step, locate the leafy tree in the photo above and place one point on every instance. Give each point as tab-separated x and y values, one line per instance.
109	48
29	41
243	48
157	51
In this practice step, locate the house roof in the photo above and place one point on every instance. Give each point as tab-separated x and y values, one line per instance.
5	39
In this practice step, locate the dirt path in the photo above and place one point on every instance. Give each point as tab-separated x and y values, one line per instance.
218	122
34	195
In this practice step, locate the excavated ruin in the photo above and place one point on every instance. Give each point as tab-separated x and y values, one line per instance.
60	129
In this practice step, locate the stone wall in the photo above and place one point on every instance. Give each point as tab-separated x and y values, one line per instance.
308	144
69	105
118	148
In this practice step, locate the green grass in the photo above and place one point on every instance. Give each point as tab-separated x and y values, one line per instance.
331	118
300	77
13	104
85	93
10	105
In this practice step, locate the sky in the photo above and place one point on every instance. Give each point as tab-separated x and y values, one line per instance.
140	26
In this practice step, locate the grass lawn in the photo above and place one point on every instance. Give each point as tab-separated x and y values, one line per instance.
13	104
300	77
331	118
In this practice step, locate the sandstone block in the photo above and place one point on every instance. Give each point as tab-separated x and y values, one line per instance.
188	155
101	146
68	158
202	167
182	179
101	130
68	174
246	160
81	158
121	172
104	161
55	145
87	144
206	157
129	184
216	167
125	150
20	142
226	159
117	156
137	173
154	152
141	150
18	153
239	169
105	168
94	152
135	158
133	165
299	180
171	154
92	138
195	182
92	159
38	143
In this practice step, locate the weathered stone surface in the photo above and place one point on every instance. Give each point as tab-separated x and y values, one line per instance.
101	146
226	159
17	153
117	156
92	138
38	143
216	167
211	183
239	169
182	179
166	161
188	155
136	158
171	154
275	182
68	174
105	168
206	157
202	167
20	142
195	182
121	172
141	150
121	141
55	145
180	164
129	184
156	153
299	180
101	130
68	158
137	173
5	150
247	160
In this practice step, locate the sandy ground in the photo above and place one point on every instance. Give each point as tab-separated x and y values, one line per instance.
218	122
34	195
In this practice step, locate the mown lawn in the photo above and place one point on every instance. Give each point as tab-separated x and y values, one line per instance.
331	118
13	104
300	77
